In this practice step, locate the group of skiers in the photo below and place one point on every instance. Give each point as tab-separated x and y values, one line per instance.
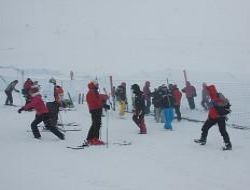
46	111
168	98
165	99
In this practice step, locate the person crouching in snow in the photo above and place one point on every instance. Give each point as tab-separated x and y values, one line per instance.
42	114
139	108
95	103
214	117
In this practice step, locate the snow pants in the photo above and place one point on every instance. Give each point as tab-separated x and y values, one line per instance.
178	112
138	118
191	103
122	107
169	116
147	106
48	124
221	121
9	99
157	115
96	116
53	108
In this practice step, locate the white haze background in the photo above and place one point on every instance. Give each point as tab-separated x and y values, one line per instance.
125	36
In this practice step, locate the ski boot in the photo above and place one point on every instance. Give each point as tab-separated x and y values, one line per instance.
95	141
228	146
143	129
200	141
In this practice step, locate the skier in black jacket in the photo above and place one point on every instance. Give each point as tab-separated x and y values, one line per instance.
139	107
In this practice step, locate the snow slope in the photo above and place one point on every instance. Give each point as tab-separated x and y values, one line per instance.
159	160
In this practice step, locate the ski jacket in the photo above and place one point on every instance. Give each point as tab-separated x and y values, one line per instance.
156	100
177	96
36	103
121	93
53	93
93	98
167	100
215	100
189	90
139	102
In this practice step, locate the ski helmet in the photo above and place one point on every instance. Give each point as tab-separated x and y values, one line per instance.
52	80
135	88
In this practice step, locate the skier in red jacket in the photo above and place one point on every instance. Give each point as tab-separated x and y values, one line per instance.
41	114
213	118
95	103
190	92
177	101
26	87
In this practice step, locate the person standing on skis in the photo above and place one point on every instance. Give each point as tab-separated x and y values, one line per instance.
8	91
95	103
139	108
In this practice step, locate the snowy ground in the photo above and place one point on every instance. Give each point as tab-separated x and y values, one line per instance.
159	160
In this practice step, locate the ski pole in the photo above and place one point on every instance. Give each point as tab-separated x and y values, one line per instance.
107	129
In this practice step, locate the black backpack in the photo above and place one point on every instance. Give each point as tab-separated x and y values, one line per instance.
223	108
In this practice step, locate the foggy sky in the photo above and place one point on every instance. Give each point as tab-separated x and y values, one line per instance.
125	36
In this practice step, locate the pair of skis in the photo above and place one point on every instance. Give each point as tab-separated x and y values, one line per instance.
85	144
43	129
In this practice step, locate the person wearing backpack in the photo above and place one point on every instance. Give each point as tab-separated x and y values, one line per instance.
218	109
167	102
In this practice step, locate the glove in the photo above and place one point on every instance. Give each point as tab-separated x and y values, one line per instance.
106	107
20	110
